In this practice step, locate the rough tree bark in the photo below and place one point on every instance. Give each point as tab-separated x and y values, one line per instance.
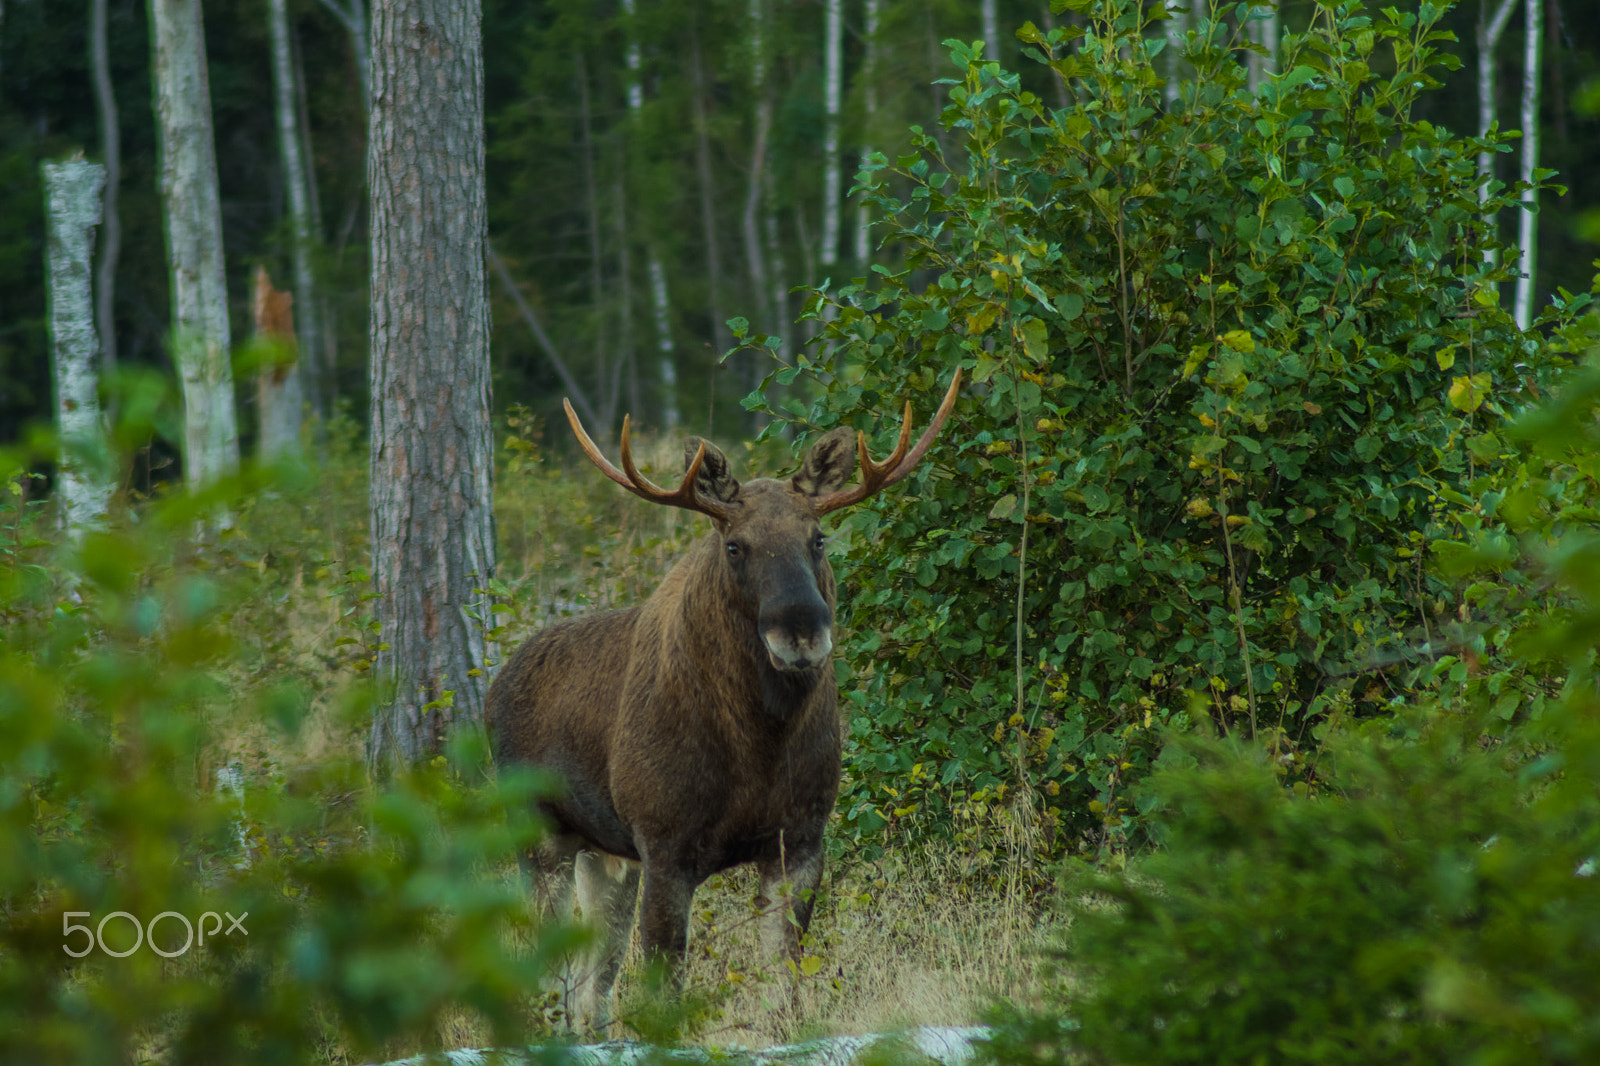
200	336
1528	222
432	465
111	148
72	201
280	387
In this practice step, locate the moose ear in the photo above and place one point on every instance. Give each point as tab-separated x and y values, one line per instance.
829	463
714	481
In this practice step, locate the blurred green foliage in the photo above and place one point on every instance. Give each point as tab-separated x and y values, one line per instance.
143	670
1436	901
1232	357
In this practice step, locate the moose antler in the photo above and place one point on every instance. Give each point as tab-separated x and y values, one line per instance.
878	476
629	477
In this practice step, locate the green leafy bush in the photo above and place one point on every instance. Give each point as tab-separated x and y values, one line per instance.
1435	900
1225	354
369	920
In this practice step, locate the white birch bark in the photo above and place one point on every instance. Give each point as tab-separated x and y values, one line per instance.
755	260
991	31
111	148
1528	222
660	302
72	198
282	395
200	337
869	99
720	338
1489	31
832	95
353	14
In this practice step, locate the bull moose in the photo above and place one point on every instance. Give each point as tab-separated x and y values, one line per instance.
699	730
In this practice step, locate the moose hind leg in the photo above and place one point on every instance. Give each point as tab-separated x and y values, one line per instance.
608	889
550	871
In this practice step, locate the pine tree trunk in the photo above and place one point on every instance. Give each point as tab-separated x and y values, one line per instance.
281	391
1528	222
72	198
832	95
200	336
432	465
111	148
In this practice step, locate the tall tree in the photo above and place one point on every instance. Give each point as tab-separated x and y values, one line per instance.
1528	221
432	465
1263	29
72	195
105	102
660	301
353	15
869	107
832	98
200	336
282	390
1490	27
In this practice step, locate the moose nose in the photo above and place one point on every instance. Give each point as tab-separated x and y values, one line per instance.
798	636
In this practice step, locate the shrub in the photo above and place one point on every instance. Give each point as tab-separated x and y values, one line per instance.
369	919
1225	354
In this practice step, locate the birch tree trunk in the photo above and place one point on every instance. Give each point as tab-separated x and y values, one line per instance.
200	338
832	95
432	465
353	14
72	199
991	31
720	338
660	303
1489	31
755	259
604	396
1528	220
111	149
281	393
869	94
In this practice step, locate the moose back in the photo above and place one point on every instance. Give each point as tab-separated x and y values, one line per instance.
699	730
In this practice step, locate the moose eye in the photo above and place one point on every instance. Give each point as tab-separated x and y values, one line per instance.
733	550
821	542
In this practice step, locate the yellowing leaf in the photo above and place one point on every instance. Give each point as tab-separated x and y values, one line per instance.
1446	357
1468	393
982	318
1034	337
1239	340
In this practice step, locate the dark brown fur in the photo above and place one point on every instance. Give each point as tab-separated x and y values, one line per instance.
695	732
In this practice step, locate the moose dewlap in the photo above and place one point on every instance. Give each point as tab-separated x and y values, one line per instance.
699	730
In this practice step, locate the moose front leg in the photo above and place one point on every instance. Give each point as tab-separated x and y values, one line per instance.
664	916
788	893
